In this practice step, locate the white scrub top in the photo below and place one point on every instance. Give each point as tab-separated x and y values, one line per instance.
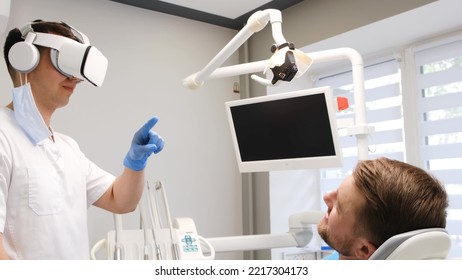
45	191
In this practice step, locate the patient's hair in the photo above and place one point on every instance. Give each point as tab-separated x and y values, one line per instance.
399	198
15	36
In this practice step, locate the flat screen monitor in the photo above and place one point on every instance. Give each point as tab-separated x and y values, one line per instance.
285	131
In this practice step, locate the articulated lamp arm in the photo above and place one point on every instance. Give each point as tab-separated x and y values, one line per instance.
360	130
255	23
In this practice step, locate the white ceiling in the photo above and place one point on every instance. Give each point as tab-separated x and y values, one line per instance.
227	13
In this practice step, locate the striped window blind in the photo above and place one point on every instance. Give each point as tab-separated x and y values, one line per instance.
439	95
384	113
435	95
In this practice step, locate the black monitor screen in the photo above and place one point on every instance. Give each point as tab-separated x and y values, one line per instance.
295	127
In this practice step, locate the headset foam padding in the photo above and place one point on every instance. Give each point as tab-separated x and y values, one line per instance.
54	61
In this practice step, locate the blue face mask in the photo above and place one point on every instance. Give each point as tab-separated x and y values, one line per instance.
28	116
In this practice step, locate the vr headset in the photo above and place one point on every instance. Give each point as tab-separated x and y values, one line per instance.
71	58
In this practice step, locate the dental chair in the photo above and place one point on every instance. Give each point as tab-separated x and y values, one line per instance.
423	244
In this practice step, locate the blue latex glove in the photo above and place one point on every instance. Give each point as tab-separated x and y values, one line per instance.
144	143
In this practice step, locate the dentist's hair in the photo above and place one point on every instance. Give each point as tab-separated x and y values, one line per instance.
399	197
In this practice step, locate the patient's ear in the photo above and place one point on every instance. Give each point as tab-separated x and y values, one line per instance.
364	249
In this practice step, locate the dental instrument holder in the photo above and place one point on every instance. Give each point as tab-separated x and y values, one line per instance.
158	237
179	239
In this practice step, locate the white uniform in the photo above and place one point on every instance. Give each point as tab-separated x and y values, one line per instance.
45	191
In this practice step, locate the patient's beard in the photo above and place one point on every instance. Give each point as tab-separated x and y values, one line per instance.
341	244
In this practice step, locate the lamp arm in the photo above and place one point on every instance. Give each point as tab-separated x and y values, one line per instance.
255	23
357	66
263	81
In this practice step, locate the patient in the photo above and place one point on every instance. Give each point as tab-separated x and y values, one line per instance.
382	198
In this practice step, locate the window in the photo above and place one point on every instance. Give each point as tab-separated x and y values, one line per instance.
435	98
439	95
384	113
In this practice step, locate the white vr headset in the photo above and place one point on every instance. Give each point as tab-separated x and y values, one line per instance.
69	57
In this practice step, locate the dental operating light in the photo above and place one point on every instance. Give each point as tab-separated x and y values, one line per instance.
282	64
286	62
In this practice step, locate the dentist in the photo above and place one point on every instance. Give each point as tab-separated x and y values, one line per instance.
46	182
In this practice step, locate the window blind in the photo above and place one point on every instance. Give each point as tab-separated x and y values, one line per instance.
439	95
384	113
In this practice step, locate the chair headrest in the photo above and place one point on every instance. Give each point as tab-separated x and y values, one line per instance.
422	244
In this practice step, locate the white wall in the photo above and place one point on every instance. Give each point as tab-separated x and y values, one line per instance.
149	54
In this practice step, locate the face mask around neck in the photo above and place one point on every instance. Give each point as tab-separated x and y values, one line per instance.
28	116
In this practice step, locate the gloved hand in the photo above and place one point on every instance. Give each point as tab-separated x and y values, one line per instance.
144	143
